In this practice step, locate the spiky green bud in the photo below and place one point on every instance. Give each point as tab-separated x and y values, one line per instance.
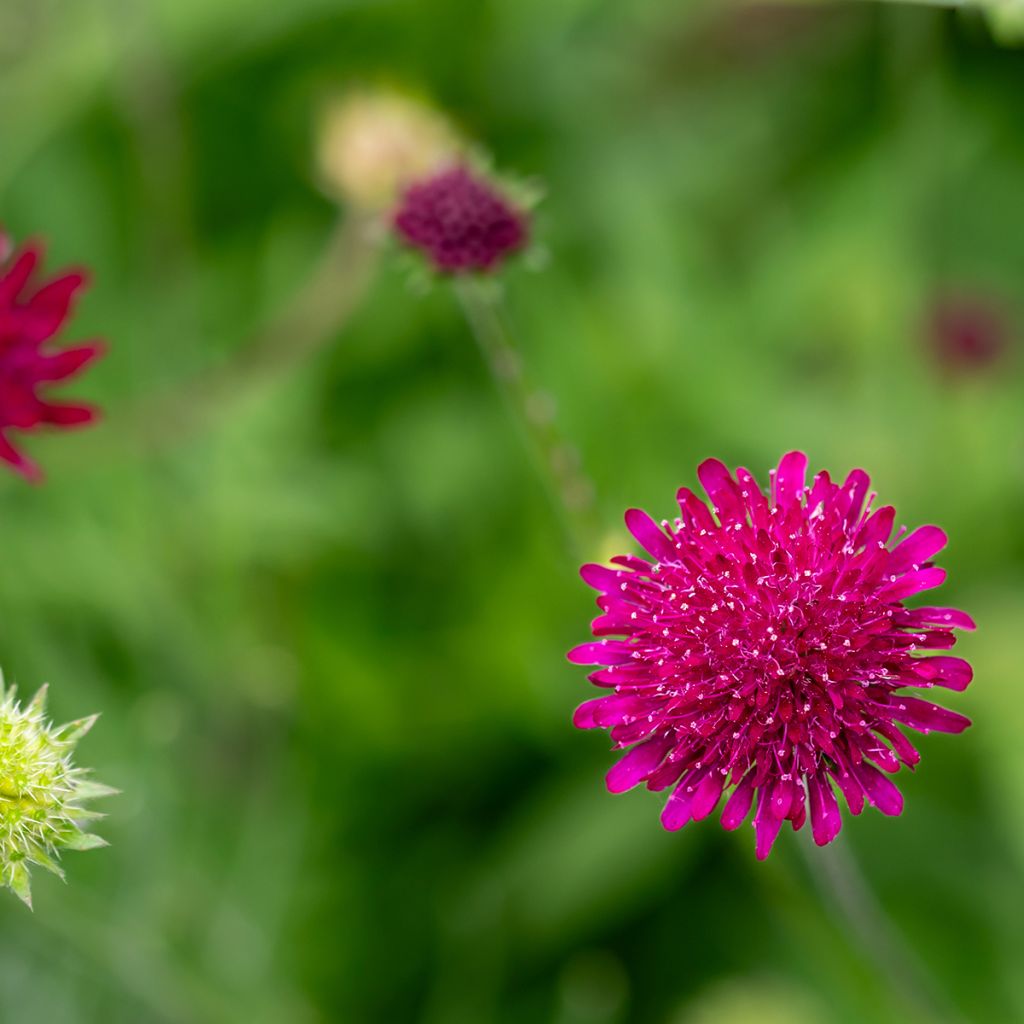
41	791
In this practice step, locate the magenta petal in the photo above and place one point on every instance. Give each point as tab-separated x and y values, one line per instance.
882	792
708	793
952	618
649	535
601	653
16	276
878	528
68	415
853	492
737	807
766	825
676	812
789	478
18	461
636	765
917	548
826	821
850	788
912	583
600	577
722	489
50	305
944	670
66	364
587	714
694	510
923	716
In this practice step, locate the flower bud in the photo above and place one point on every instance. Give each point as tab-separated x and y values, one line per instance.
374	142
41	791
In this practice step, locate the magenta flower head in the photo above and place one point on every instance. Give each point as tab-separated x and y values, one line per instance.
31	314
763	647
460	221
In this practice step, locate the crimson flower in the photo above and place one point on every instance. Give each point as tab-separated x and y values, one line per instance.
765	648
31	314
460	221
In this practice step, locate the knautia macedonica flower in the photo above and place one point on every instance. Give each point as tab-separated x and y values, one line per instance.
764	647
31	314
41	791
460	221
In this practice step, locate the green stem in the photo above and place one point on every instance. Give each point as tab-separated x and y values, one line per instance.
845	888
312	318
555	460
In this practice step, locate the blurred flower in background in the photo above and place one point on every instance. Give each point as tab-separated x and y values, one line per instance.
764	650
41	792
966	332
31	314
753	1000
1007	20
372	143
461	220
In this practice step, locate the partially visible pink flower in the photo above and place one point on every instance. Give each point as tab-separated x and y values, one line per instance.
764	646
966	332
460	221
32	312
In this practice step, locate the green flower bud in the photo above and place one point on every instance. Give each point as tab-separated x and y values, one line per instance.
41	791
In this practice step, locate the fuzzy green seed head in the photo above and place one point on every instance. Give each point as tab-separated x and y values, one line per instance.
41	791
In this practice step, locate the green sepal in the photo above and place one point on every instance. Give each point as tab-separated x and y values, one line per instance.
37	705
72	732
44	860
20	884
86	789
85	841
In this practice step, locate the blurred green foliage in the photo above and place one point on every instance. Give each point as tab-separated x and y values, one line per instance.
326	625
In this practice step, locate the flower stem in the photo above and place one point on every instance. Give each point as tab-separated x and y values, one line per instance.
845	888
555	460
312	317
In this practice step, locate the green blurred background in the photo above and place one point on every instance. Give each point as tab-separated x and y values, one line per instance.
326	622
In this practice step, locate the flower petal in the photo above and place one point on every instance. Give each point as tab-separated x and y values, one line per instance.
737	807
882	792
601	653
912	583
925	717
826	821
708	793
766	825
722	489
650	536
636	765
789	478
917	549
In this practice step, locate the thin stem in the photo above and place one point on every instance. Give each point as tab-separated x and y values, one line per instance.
845	888
314	315
556	461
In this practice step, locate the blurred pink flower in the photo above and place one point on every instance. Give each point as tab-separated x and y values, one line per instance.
966	332
32	312
460	221
765	647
